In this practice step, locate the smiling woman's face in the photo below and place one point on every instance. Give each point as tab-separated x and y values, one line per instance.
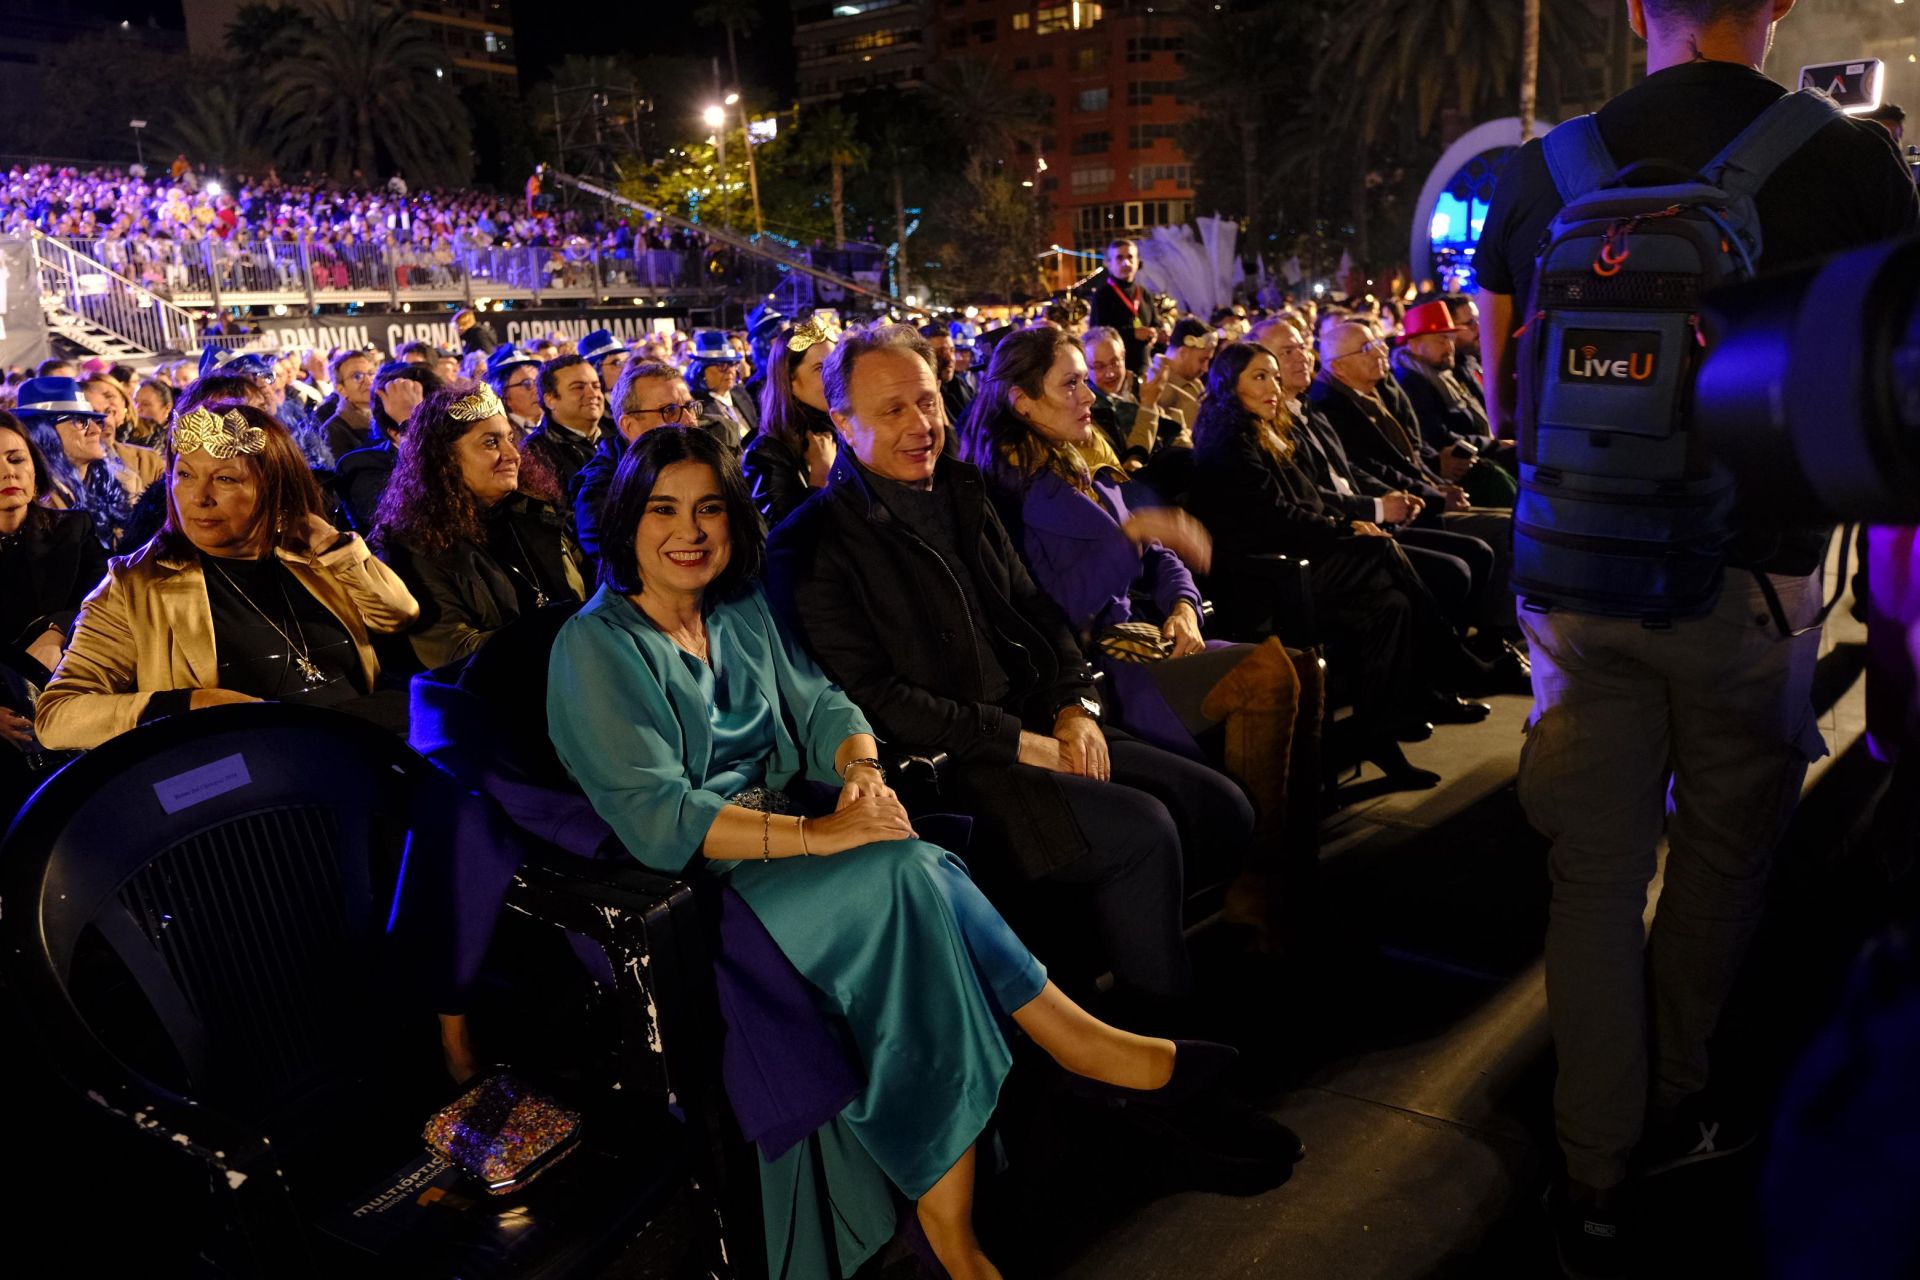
684	541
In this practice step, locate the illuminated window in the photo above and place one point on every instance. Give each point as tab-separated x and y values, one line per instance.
1091	58
1022	21
1095	178
1077	16
1091	100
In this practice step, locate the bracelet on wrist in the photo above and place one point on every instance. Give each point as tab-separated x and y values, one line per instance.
870	761
805	851
766	835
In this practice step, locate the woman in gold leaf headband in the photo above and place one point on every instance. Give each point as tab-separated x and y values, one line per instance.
246	594
795	448
453	522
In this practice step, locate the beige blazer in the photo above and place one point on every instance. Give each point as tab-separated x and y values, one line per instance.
148	628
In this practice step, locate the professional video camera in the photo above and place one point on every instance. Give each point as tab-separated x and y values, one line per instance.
1810	391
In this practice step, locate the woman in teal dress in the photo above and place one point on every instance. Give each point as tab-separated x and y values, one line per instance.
681	708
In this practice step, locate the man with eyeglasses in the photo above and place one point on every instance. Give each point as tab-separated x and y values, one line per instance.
1466	344
650	394
1136	425
514	375
351	373
1381	444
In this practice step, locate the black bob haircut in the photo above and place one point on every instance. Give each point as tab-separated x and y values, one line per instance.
639	471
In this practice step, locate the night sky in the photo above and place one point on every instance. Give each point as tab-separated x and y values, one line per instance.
548	32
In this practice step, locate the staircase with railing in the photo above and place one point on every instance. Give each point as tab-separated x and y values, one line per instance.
96	308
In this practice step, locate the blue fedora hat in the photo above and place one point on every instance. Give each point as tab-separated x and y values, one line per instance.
53	398
507	355
711	345
241	364
598	345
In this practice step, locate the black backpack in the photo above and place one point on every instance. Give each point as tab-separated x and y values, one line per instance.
1621	511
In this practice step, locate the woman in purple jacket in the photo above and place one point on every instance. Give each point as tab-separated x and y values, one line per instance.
1121	577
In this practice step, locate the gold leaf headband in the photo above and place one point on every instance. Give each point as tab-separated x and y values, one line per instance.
478	407
221	436
1204	341
815	328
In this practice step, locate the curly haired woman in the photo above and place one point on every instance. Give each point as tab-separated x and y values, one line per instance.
454	524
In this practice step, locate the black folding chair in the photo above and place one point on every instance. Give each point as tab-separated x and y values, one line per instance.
195	925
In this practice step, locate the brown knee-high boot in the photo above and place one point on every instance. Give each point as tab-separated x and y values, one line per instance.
1269	706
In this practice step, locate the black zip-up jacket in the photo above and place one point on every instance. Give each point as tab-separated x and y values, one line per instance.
886	618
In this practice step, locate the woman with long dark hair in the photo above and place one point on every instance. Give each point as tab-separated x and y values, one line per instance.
477	552
89	470
1254	497
247	593
794	450
1121	575
687	713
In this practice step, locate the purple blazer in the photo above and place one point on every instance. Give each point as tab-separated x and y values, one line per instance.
1093	571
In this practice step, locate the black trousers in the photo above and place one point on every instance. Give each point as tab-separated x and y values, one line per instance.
1458	570
1160	814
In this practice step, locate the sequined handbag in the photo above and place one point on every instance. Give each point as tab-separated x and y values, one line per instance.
762	800
504	1133
1134	642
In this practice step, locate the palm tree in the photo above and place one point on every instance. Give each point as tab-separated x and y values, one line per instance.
1529	65
263	31
1241	69
366	85
982	104
220	127
1398	62
828	137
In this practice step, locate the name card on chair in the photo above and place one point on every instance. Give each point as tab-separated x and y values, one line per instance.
184	790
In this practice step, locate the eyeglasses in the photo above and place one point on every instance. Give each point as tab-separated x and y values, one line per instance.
1378	344
668	412
84	426
518	383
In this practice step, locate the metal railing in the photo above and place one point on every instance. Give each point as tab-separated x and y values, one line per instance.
101	292
305	273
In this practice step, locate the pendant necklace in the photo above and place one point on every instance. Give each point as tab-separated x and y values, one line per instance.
297	650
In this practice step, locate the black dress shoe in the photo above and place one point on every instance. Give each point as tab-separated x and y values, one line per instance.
1401	774
1446	709
1413	731
1198	1066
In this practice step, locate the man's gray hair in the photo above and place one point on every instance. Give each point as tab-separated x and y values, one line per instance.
626	390
1100	333
837	372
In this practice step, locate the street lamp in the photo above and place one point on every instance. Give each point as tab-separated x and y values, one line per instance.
753	172
715	117
139	153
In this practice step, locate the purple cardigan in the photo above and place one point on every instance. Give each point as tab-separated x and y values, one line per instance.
1080	557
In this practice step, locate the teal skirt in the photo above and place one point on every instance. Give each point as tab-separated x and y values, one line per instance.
922	973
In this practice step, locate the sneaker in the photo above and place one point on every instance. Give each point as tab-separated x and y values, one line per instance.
1587	1234
1694	1136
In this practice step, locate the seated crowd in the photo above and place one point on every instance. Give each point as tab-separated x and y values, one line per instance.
776	565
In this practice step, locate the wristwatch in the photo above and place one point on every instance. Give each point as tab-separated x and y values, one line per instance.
1087	705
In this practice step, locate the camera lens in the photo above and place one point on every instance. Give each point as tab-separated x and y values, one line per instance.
1810	395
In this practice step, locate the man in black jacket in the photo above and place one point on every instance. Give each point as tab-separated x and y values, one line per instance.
570	427
900	580
1119	303
1384	442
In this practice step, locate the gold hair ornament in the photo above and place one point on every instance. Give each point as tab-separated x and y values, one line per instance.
220	436
816	328
478	407
1204	341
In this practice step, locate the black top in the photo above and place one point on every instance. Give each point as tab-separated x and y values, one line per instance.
532	562
46	570
933	516
1844	189
257	605
1107	304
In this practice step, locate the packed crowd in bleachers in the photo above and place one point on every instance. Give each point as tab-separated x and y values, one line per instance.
144	213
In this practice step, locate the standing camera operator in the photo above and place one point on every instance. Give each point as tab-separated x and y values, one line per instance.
1717	704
